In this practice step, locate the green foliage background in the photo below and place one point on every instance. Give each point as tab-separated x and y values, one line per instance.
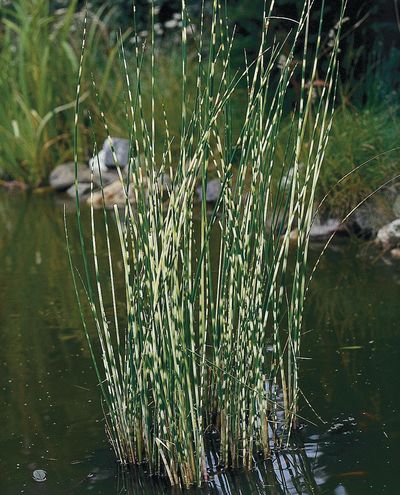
39	52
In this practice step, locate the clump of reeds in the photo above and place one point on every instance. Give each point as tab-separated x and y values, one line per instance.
210	340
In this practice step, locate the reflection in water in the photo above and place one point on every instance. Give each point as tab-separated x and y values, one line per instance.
50	413
288	473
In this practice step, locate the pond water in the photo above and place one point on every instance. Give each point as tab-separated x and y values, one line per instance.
50	413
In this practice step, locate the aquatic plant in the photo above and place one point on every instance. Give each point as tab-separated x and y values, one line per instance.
40	57
208	342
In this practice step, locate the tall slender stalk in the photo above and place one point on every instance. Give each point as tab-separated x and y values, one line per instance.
210	341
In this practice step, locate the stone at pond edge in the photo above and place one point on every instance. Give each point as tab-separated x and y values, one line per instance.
213	190
373	214
395	253
83	190
396	206
121	149
113	195
98	162
322	230
63	176
389	235
108	175
39	475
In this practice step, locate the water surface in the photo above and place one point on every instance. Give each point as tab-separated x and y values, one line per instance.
50	413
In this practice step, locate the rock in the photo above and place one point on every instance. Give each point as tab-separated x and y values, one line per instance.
63	176
121	148
114	194
323	230
13	185
372	215
98	161
294	235
389	235
39	475
83	190
213	190
107	177
396	206
395	253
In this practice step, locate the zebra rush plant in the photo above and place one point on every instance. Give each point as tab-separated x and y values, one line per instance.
208	341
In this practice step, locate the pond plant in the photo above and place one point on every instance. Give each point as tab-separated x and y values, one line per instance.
40	56
204	344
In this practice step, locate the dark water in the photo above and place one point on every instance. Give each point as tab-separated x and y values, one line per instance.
50	415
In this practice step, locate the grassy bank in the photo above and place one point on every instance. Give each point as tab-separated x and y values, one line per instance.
357	136
39	56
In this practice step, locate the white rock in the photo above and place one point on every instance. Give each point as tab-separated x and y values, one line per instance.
83	190
63	176
323	230
389	235
395	253
98	162
114	194
121	150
